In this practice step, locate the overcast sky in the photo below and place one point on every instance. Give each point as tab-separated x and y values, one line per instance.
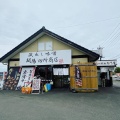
89	23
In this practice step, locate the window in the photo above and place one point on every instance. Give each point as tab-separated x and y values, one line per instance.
48	45
41	46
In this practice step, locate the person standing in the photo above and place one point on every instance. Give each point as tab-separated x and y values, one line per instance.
103	79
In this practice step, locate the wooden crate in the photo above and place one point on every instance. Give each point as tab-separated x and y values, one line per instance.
89	78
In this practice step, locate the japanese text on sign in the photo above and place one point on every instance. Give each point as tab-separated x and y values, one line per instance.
46	57
106	63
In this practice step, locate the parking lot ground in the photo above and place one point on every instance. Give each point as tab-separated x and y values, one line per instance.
116	83
61	104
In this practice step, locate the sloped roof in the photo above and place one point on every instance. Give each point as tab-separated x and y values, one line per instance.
4	59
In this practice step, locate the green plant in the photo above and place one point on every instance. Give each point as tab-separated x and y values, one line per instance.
117	70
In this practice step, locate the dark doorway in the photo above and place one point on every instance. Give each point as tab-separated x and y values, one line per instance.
47	75
61	81
45	72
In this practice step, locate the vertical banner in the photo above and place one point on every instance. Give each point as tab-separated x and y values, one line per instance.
1	80
78	78
4	75
11	78
26	77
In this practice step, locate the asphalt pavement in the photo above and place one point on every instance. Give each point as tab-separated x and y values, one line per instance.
61	104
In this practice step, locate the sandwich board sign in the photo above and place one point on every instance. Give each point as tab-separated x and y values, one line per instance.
36	86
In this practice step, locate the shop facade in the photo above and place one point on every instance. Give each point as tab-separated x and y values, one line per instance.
105	69
47	56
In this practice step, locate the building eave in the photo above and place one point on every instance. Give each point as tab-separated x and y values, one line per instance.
4	59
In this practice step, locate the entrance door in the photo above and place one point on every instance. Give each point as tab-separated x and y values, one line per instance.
60	76
61	81
58	81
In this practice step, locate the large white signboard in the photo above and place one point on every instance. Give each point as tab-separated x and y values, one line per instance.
45	58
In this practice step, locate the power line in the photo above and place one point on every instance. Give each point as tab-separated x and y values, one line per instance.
115	36
115	56
113	40
118	58
89	22
116	43
109	37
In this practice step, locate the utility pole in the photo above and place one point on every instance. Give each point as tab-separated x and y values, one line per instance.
100	52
